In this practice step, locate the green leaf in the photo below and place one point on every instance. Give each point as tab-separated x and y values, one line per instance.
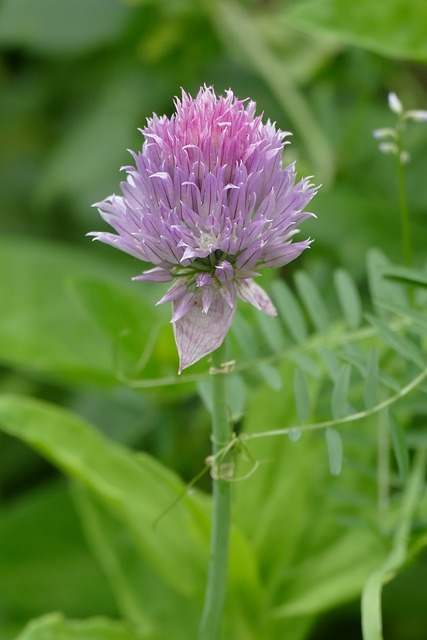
335	450
302	397
55	627
348	297
289	310
399	343
239	29
371	380
406	276
331	575
395	30
140	592
382	289
41	542
371	596
60	27
339	403
236	395
400	447
313	301
136	490
271	376
272	332
331	362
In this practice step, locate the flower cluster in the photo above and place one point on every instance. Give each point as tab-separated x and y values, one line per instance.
391	139
209	203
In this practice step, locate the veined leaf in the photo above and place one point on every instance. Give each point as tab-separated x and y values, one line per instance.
289	310
313	301
335	450
340	393
348	297
302	396
135	489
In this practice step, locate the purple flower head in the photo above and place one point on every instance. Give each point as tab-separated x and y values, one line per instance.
209	203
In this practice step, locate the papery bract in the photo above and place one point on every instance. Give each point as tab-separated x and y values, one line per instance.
209	203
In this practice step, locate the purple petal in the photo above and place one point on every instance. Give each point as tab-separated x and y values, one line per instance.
250	292
198	333
155	275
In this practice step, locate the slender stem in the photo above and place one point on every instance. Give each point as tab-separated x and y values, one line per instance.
403	196
218	564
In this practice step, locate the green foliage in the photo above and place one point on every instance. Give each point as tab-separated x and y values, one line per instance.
55	626
368	24
336	384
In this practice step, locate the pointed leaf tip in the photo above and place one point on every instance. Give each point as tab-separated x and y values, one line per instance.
197	333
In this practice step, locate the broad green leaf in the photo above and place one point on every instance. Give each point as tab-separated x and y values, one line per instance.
400	447
335	450
333	575
371	380
348	297
313	301
147	499
140	593
279	491
132	325
40	543
48	290
60	27
395	29
302	397
55	627
136	490
289	310
398	342
339	400
42	326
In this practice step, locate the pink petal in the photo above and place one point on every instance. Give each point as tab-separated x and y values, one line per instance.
155	275
198	333
250	292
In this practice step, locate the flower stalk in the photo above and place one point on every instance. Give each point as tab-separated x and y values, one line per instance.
403	194
218	563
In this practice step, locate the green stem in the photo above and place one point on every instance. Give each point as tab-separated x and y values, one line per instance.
403	197
218	564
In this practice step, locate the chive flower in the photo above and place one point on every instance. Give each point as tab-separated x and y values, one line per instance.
209	204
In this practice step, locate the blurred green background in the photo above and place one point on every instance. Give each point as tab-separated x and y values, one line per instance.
77	79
